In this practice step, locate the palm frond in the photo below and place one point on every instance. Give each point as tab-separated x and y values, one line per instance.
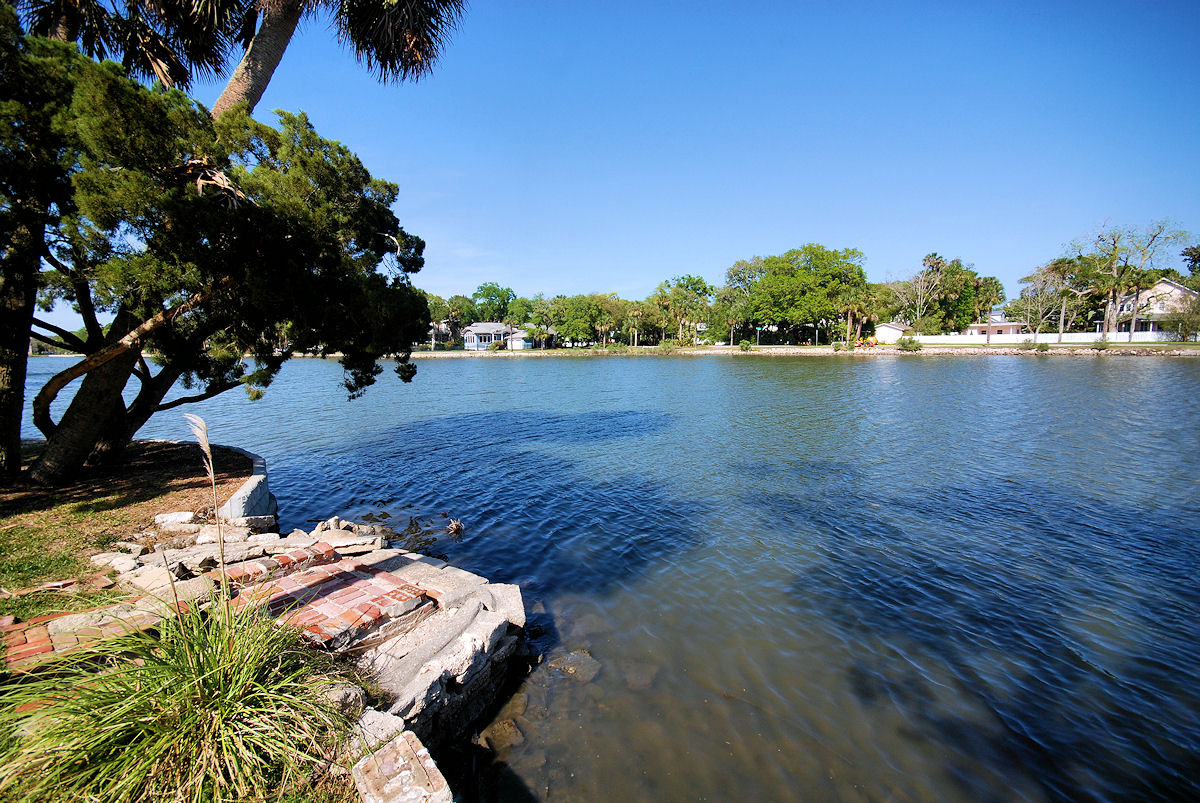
398	40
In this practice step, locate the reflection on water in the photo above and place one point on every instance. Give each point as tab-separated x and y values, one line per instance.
806	579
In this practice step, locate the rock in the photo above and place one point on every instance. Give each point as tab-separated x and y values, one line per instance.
124	563
103	559
578	666
639	676
206	556
373	729
179	529
401	771
182	517
232	535
287	544
197	589
502	735
133	548
265	538
506	600
259	524
590	625
345	538
349	699
150	578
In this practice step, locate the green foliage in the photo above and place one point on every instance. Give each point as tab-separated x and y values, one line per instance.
276	240
1100	344
745	345
1185	322
496	345
1027	344
837	346
491	302
1043	347
214	705
668	346
908	344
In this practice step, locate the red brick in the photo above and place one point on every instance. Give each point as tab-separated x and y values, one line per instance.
370	611
29	651
14	639
284	560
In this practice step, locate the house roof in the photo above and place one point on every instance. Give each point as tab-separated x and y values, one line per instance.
899	327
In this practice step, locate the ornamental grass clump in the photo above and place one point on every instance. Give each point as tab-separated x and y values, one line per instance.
217	703
213	706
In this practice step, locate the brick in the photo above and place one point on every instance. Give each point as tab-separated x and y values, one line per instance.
14	639
370	611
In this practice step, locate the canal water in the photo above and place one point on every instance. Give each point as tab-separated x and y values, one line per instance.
844	578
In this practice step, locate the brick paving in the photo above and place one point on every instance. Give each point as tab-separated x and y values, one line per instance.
337	603
334	604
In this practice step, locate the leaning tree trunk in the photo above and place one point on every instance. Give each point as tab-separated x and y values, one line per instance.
96	415
18	287
1137	297
254	71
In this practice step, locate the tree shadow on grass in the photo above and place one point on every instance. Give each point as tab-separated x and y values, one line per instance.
1068	625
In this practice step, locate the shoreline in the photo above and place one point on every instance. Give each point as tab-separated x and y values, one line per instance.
1122	350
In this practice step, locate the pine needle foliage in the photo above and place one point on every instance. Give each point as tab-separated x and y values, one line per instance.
214	706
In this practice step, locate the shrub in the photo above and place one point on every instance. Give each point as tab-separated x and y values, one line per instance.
1043	347
1027	344
837	346
909	344
216	705
668	346
496	345
745	345
1100	345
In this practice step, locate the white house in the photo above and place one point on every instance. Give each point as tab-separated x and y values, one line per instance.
479	336
889	332
1152	304
997	324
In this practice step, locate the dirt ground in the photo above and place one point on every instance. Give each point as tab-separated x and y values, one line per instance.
45	533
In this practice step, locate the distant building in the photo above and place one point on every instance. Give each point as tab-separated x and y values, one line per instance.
997	324
1152	304
890	332
479	336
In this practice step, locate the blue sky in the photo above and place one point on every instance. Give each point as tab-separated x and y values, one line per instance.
591	147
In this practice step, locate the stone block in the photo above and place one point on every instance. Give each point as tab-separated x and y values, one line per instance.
179	528
181	517
506	600
197	589
232	535
258	524
132	548
373	729
401	771
348	698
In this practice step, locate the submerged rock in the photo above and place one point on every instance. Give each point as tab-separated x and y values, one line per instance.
579	666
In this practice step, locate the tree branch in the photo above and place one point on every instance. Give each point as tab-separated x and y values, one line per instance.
69	339
41	402
216	390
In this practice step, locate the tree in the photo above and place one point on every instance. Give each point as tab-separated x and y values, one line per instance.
1184	322
36	161
170	41
491	301
461	313
988	293
1120	256
919	294
209	241
1039	299
395	40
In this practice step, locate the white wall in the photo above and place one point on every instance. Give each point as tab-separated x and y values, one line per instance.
1045	337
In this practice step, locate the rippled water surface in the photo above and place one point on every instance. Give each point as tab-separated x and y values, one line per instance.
804	579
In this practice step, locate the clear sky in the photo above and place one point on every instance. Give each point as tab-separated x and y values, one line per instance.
569	147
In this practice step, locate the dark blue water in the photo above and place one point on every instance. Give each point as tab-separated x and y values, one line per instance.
926	578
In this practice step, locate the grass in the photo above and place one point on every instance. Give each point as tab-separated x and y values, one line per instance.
48	533
215	705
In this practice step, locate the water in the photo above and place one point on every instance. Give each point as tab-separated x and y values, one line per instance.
886	578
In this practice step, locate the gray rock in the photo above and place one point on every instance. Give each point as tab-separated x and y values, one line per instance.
349	699
287	544
639	676
265	538
373	729
259	524
182	517
502	735
132	547
506	600
124	563
197	589
231	535
578	666
103	560
173	528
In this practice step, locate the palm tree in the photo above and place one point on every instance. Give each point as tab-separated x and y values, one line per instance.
397	40
171	41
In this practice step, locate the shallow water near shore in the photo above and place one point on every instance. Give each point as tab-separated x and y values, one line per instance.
930	578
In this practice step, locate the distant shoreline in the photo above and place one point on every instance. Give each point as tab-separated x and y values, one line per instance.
1114	349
